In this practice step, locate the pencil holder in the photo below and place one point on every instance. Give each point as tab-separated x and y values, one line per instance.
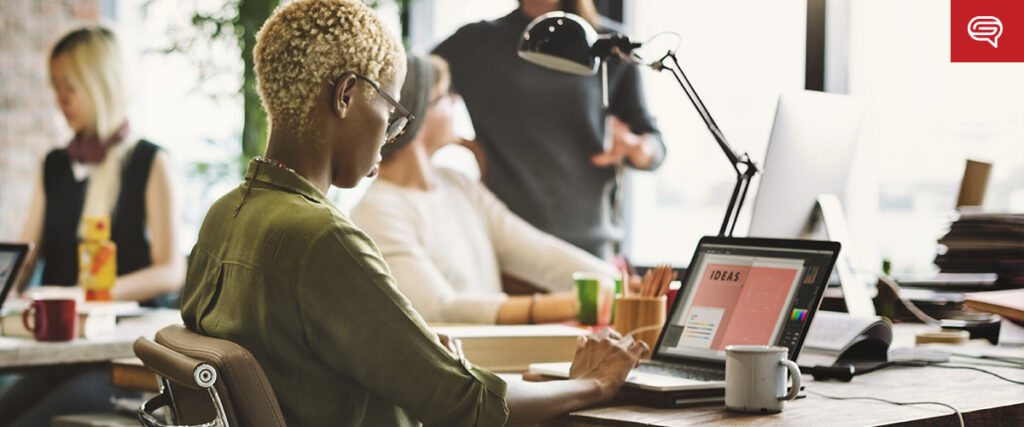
643	315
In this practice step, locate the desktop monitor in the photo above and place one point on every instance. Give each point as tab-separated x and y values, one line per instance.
810	151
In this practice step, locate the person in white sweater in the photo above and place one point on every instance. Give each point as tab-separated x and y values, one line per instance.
447	239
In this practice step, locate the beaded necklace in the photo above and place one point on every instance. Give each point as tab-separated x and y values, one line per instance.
272	162
260	160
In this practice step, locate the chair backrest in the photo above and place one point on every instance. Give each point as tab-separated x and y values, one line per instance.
241	388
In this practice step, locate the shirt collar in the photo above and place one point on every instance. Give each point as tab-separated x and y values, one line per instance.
284	180
516	19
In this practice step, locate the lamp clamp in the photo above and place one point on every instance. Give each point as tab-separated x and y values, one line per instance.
614	45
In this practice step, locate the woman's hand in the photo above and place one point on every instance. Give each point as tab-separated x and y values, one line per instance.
453	345
607	358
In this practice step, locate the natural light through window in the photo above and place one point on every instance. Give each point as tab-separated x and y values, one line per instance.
926	116
738	63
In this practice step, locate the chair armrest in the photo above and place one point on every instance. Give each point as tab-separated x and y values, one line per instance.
176	367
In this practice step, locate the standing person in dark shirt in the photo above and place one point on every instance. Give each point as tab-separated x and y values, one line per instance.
542	132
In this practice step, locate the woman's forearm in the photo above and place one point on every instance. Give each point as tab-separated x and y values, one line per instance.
539	308
514	311
150	282
530	402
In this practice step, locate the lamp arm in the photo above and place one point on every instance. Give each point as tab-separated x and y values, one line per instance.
739	195
744	173
698	104
620	46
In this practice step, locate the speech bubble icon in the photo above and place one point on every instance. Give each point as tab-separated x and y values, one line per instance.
985	29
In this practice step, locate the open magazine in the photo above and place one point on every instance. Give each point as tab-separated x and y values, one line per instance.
839	336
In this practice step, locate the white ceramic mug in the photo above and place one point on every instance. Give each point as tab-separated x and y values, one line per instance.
755	378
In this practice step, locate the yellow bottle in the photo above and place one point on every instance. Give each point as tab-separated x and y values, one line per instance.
97	259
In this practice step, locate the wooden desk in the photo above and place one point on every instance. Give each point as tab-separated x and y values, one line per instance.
982	398
21	353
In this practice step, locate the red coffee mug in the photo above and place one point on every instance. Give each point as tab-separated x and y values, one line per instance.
52	319
671	299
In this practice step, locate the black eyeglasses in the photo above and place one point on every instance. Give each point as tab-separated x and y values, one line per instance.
399	120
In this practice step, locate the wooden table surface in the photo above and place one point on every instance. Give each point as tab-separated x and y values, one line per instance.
18	353
983	399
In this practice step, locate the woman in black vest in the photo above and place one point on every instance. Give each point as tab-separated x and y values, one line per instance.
106	170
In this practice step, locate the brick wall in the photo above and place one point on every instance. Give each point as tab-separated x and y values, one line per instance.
30	123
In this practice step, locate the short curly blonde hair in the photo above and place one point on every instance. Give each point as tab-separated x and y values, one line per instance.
310	42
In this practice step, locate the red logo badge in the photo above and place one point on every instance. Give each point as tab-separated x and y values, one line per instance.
986	31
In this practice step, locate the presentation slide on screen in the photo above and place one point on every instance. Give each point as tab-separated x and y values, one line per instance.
738	300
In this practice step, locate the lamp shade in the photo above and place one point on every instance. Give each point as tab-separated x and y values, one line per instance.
560	41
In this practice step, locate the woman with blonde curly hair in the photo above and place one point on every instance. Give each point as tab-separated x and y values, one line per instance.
279	270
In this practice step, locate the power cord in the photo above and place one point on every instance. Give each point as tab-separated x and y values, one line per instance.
959	416
846	372
994	361
643	329
973	368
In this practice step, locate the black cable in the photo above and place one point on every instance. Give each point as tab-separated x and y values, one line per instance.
959	416
1010	362
937	365
846	372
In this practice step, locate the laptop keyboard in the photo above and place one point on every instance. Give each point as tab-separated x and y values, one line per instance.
694	372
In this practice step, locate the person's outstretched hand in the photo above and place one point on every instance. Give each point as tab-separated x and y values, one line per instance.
625	144
606	357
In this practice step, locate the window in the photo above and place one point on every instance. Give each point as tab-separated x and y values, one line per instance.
195	113
925	116
739	56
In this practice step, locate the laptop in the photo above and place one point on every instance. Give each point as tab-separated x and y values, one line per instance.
12	256
736	291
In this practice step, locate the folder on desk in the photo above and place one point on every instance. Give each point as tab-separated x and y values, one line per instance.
512	348
1009	303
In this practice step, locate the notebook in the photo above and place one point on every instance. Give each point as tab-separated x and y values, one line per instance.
12	256
736	291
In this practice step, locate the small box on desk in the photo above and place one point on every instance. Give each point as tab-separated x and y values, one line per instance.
131	373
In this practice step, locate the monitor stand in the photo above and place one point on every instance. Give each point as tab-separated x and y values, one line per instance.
855	286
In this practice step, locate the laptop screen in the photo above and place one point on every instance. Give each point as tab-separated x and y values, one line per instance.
11	258
747	291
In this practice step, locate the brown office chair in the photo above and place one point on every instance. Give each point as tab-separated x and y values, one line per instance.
206	382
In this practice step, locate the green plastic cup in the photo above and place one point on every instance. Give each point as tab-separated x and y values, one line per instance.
595	294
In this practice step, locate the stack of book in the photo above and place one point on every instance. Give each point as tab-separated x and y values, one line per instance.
95	319
985	243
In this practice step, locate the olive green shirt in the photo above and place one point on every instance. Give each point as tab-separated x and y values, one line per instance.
279	270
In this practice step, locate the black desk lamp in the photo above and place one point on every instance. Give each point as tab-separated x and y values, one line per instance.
565	42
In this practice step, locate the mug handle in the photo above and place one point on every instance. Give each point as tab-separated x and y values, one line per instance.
794	374
26	314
